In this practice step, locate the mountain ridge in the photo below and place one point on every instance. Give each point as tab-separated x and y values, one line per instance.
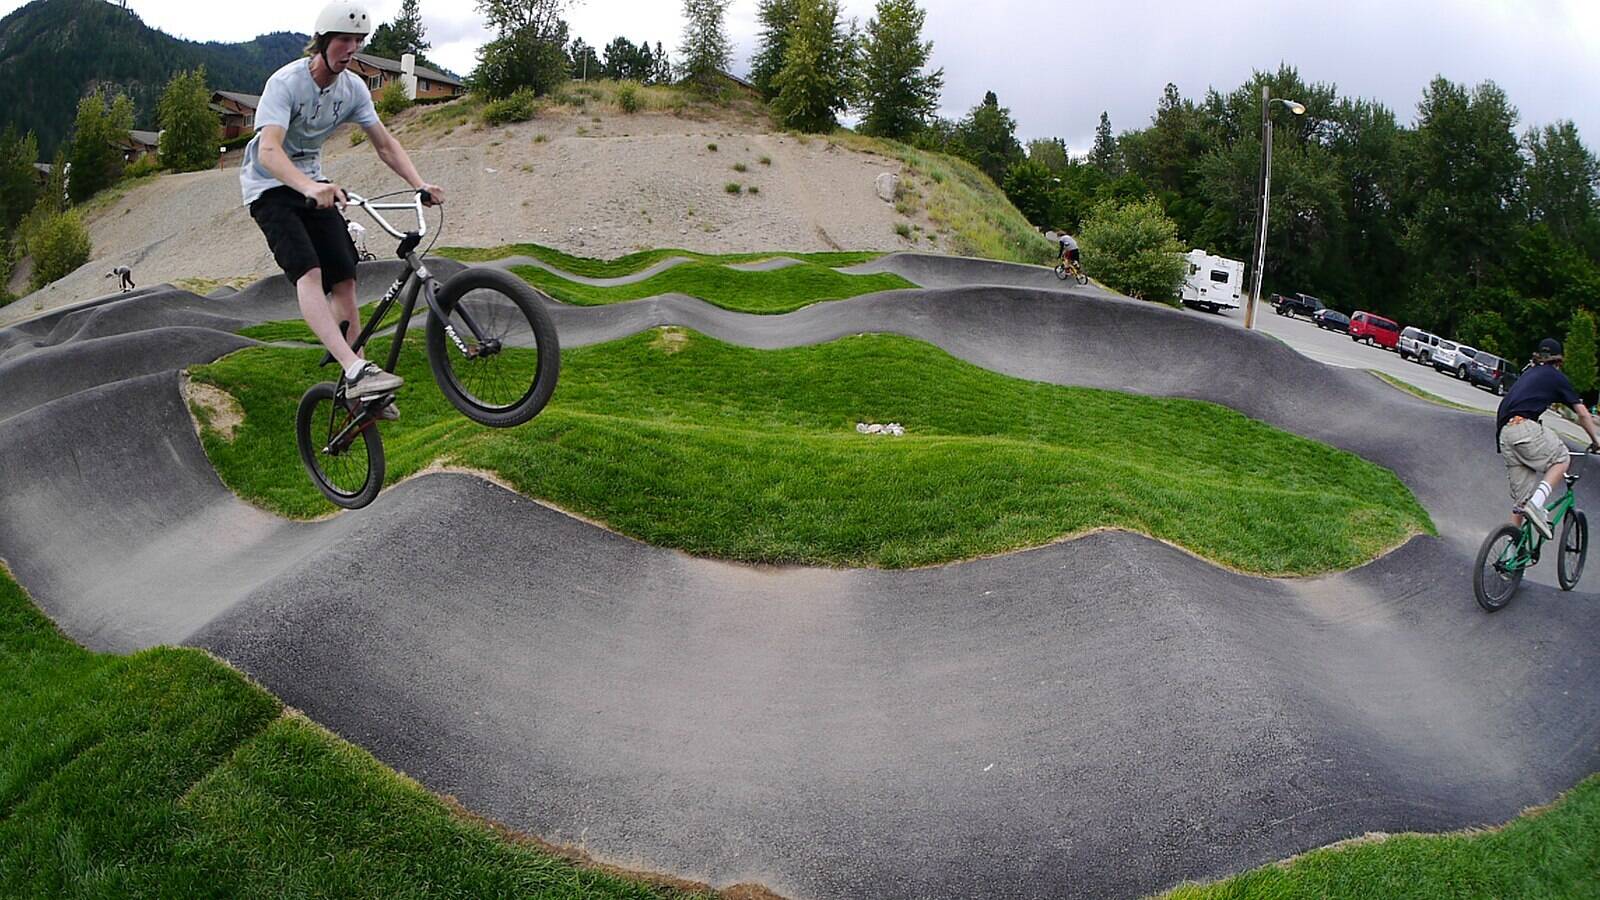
54	52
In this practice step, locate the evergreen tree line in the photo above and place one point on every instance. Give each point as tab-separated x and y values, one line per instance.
1459	223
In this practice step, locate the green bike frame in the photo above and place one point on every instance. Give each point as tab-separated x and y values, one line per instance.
1525	552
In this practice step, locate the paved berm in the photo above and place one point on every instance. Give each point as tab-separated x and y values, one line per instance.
1099	717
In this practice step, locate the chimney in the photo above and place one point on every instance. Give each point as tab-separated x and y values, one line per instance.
408	73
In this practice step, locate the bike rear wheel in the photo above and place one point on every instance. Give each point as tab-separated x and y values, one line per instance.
1574	549
1079	274
505	372
348	470
1499	570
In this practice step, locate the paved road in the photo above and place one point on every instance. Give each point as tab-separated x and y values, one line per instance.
1101	717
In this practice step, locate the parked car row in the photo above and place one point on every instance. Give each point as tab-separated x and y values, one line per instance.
1478	367
1470	364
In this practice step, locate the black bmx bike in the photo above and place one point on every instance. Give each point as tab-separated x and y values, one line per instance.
1510	550
491	345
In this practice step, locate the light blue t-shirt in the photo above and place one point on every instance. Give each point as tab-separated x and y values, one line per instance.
307	114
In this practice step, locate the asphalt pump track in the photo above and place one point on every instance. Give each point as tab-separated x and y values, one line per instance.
1104	716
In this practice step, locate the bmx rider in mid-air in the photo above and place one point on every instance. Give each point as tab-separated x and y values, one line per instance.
301	105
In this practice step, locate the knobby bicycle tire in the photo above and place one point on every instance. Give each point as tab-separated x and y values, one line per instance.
349	476
1574	549
1492	587
504	388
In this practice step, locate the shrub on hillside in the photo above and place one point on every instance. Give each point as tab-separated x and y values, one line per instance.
392	100
628	97
1133	248
519	107
58	244
147	164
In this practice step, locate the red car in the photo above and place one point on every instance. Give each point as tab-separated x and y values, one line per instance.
1374	329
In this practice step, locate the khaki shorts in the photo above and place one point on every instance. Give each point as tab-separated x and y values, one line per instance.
1530	449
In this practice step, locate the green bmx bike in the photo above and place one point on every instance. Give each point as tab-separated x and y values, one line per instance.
1510	550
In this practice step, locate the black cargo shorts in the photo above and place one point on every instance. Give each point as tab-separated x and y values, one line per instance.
303	238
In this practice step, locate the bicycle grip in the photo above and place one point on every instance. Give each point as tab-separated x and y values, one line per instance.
427	198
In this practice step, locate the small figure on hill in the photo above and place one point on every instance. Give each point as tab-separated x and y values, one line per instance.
124	277
301	105
1536	457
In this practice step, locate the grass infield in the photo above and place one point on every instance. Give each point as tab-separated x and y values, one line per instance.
683	441
167	774
776	291
590	267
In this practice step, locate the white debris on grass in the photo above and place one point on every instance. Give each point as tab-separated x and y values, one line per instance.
894	428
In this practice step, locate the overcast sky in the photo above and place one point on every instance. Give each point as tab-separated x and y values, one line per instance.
1058	64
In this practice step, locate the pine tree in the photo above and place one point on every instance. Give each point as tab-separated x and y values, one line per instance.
988	135
663	69
814	84
1104	154
18	189
705	40
406	34
897	98
777	19
189	129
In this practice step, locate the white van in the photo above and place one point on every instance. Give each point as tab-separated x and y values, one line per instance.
1211	282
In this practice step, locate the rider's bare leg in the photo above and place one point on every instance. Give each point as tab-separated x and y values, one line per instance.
1551	479
324	318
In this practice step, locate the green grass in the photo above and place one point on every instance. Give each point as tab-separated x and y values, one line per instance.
1415	391
966	208
589	267
1551	854
775	291
686	442
167	774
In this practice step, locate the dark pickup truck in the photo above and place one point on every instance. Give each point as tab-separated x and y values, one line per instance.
1295	304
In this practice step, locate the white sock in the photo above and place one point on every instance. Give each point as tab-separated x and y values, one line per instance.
1540	495
354	369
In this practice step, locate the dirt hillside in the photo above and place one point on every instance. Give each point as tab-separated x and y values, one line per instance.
594	182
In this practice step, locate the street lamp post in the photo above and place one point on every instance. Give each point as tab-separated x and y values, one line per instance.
1260	256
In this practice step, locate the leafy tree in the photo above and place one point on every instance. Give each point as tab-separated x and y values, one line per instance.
1104	154
1133	248
1562	176
1036	192
1464	168
528	50
189	129
705	41
1050	153
97	138
406	34
1580	353
777	18
896	96
815	81
988	135
392	99
18	188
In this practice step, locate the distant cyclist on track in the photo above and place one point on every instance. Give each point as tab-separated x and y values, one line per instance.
1069	249
301	105
1536	457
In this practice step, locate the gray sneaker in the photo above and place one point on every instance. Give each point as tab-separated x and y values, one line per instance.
371	382
1539	518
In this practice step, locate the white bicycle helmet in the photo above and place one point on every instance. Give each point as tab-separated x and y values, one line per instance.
344	17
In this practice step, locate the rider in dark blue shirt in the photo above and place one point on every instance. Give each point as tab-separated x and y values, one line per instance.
1536	457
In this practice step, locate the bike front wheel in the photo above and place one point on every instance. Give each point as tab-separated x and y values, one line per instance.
345	462
1499	568
1574	549
1061	271
496	358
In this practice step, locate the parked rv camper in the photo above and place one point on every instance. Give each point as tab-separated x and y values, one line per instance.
1211	282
